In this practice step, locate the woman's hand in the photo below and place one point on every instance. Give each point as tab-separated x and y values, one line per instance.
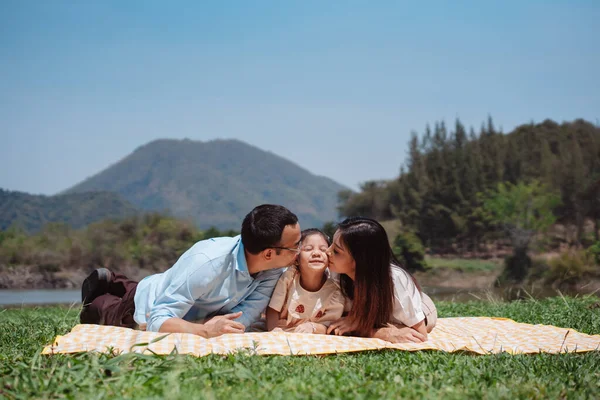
341	327
399	335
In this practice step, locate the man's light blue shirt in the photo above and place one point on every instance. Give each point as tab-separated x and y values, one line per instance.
209	279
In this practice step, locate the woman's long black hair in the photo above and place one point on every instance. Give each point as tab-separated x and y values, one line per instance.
372	290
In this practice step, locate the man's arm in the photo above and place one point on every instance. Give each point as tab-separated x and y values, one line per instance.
214	327
178	325
196	273
257	301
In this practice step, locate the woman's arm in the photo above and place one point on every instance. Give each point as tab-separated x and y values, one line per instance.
402	334
216	326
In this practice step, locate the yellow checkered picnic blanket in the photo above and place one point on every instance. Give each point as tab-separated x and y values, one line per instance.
480	335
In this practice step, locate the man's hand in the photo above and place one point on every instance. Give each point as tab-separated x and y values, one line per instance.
341	327
399	335
221	324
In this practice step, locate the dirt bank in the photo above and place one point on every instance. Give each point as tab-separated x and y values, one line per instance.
29	277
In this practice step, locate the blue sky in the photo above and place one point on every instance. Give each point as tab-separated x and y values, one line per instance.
335	86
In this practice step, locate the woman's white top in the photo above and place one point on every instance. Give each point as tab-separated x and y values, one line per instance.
408	304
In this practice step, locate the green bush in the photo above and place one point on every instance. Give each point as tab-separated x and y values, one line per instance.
409	249
594	251
571	267
539	269
151	241
329	229
516	267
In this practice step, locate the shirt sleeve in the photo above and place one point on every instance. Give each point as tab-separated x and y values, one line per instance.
253	305
182	291
281	290
408	307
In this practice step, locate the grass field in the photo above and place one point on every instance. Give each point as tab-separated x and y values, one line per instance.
24	373
466	265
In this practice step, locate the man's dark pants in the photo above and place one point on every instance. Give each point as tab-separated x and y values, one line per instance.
115	307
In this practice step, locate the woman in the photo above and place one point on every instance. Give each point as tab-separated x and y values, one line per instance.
387	302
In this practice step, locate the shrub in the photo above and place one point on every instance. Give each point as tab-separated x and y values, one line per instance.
571	267
152	242
516	267
594	251
409	249
539	269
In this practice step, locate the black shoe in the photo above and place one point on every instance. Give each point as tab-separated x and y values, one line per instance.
96	284
90	315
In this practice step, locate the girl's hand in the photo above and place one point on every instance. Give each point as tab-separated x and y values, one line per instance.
399	335
307	327
341	327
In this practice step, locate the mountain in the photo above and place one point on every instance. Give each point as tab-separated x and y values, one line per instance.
31	212
215	183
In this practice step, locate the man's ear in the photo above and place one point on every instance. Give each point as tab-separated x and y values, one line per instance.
268	254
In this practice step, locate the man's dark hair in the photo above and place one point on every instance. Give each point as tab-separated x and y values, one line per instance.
263	226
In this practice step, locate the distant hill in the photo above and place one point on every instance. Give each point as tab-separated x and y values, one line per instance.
31	212
215	183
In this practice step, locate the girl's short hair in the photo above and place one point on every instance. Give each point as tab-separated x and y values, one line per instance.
314	231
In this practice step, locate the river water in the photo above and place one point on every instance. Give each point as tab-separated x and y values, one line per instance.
39	297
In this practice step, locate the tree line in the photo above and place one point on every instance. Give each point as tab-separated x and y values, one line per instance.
152	242
438	192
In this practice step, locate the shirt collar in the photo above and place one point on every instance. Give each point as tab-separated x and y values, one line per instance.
241	264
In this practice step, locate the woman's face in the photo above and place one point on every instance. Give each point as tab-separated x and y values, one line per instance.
313	253
340	259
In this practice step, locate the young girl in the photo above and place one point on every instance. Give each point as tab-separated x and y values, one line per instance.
306	299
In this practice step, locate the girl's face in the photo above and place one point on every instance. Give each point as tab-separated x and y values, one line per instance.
340	259
313	253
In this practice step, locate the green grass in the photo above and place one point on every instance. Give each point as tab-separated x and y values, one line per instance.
24	373
467	265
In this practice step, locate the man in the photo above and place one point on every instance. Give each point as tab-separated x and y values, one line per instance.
224	282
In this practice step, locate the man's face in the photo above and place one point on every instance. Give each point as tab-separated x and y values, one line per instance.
289	245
